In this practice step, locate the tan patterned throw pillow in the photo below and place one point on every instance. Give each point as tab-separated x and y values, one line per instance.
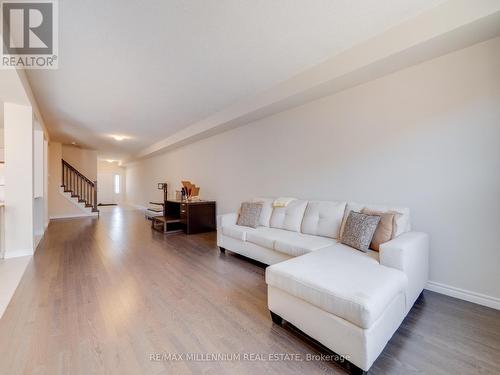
386	228
249	214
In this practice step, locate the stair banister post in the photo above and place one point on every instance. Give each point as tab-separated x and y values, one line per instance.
95	195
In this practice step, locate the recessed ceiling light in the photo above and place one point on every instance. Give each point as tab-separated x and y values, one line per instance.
119	137
73	143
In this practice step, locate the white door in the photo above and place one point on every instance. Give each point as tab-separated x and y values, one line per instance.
105	188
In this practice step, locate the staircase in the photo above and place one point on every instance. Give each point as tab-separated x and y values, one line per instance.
79	189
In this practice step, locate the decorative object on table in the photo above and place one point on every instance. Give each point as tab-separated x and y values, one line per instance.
163	186
191	191
157	209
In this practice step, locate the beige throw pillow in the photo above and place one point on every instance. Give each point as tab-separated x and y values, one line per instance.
385	228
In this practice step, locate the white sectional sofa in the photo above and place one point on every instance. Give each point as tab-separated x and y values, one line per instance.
350	301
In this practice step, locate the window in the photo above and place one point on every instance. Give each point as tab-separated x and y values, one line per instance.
117	184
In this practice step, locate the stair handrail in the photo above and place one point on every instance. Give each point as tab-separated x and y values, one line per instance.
92	194
93	183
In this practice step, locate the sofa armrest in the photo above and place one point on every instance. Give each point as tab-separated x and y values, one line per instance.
409	253
399	252
227	219
222	220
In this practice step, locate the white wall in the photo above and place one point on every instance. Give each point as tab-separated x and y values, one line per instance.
106	168
18	137
427	137
39	192
2	159
46	182
38	164
84	160
59	206
23	213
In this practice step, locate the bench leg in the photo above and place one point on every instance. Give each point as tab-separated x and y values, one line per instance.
276	318
222	250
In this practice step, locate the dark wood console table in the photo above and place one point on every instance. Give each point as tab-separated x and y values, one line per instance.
190	217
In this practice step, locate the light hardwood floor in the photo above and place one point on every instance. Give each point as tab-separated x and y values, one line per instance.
102	296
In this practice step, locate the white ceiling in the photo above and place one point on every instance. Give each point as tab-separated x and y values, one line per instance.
147	69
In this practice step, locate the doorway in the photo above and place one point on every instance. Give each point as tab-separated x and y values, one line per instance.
108	189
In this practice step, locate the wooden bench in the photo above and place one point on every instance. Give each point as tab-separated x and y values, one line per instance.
166	224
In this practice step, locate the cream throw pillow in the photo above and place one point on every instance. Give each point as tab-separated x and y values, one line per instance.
282	202
385	229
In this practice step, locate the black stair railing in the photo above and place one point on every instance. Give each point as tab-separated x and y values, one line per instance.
79	186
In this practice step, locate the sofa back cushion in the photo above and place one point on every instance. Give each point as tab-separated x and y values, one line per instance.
266	212
323	218
402	220
289	217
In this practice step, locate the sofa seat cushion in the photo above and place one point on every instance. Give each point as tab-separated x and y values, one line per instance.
284	241
341	281
237	232
301	244
263	236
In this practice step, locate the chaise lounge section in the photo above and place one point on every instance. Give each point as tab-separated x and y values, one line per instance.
350	301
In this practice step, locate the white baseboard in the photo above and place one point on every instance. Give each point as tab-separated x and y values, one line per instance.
17	254
71	216
38	239
467	295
